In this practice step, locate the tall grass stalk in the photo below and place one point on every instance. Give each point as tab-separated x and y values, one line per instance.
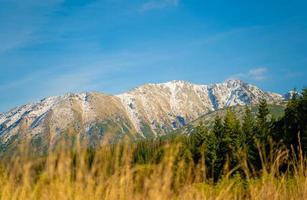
110	172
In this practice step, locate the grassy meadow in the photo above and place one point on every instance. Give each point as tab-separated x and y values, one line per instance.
166	172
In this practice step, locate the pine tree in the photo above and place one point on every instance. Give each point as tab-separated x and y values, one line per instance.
220	148
231	130
198	136
232	136
248	126
197	139
263	123
263	111
212	157
291	122
218	128
249	131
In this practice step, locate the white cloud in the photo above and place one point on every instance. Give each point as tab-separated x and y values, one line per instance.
257	74
158	4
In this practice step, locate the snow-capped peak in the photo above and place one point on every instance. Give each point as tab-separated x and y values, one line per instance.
158	103
33	111
155	108
290	94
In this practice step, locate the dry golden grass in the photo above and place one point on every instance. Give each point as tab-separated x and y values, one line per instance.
110	174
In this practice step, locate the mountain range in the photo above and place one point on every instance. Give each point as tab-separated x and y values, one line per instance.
150	110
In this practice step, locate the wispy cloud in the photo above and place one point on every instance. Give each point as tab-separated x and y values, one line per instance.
158	4
257	74
21	20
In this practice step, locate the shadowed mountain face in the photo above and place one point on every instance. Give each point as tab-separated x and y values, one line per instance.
147	111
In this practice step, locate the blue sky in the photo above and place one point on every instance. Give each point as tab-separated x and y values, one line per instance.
52	47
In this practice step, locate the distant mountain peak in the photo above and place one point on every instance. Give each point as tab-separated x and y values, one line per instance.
148	110
177	82
290	94
234	81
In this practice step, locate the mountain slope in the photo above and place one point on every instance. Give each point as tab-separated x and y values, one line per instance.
147	111
171	105
97	114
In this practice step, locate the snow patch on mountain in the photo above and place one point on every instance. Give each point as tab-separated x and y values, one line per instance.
130	106
159	107
34	112
163	103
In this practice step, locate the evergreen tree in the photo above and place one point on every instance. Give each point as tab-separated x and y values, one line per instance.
263	123
197	139
198	136
213	159
248	126
232	136
250	133
218	128
232	130
291	122
220	148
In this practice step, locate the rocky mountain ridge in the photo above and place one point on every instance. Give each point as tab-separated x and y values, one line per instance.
147	111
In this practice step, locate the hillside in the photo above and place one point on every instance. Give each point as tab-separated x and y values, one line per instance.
276	111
